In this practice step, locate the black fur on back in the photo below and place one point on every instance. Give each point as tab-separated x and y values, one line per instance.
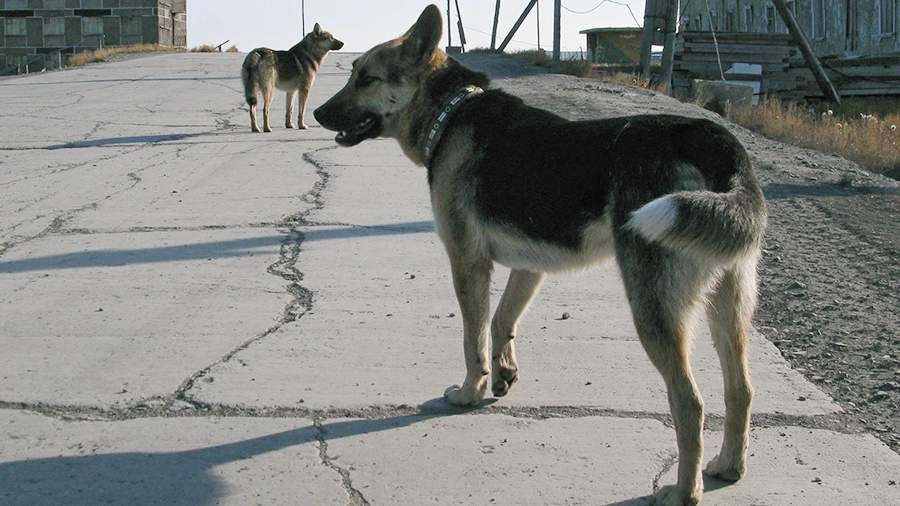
548	177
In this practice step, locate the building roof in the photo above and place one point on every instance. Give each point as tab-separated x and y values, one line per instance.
612	30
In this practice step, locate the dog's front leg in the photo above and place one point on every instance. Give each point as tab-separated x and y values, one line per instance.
520	289
472	281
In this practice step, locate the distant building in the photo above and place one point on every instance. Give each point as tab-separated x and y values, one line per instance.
40	33
835	28
613	45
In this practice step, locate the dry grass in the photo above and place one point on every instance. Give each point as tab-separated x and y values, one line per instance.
233	49
204	48
578	68
98	55
873	141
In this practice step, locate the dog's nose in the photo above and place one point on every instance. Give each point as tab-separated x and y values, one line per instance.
337	45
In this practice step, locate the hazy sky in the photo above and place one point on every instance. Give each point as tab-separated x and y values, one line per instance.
363	23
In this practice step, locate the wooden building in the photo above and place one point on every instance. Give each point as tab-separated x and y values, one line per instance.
857	42
613	45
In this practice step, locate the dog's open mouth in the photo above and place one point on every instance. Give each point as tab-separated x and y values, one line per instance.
367	128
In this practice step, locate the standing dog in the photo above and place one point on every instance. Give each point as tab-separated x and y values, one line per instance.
673	199
293	70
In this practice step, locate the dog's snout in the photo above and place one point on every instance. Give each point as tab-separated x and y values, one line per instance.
337	45
319	114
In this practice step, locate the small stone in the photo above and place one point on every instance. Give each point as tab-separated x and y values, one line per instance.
801	398
565	316
879	396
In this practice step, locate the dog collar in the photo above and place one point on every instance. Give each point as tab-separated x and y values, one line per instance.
436	131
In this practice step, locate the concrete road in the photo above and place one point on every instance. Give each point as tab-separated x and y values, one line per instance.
191	313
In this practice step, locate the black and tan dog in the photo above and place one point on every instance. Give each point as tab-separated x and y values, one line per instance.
291	71
512	184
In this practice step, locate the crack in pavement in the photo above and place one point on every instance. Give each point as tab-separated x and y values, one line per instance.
668	463
355	497
285	268
169	407
58	222
301	303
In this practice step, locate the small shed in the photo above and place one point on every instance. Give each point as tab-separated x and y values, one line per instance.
613	45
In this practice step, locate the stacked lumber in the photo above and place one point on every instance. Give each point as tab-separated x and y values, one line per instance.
851	76
695	58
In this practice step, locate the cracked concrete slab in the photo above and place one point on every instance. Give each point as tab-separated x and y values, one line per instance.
163	461
114	318
503	460
798	466
597	460
382	309
288	278
175	194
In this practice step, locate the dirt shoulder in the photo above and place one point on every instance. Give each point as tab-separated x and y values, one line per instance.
830	272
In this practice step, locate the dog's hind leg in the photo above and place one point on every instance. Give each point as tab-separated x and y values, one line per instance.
663	290
520	290
289	98
267	106
472	282
254	126
729	312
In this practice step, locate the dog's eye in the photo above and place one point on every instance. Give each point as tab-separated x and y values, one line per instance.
364	80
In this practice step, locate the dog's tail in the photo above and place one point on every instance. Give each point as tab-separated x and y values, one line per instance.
716	225
247	70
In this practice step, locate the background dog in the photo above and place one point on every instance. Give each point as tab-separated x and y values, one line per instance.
673	199
292	71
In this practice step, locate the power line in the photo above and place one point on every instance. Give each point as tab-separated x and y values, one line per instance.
587	11
636	23
467	27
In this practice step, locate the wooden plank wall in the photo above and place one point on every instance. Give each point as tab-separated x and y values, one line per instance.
785	74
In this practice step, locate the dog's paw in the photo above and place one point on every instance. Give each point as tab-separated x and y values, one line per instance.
503	379
255	129
671	495
725	469
267	129
464	395
303	126
289	125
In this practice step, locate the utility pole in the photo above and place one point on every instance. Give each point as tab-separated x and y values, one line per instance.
557	13
459	25
538	14
303	16
810	57
449	27
516	26
494	30
647	35
668	56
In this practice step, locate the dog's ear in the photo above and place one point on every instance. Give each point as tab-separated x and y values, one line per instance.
423	38
317	29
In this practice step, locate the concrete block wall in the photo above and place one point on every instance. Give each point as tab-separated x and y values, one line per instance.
30	30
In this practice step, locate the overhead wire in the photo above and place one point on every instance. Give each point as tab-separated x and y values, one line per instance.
623	4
